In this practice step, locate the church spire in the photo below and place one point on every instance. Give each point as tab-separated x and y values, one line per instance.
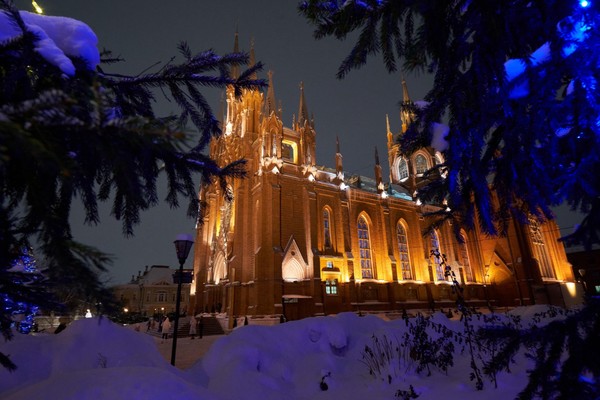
387	124
270	104
339	168
390	135
378	174
405	96
302	109
252	61
235	70
406	108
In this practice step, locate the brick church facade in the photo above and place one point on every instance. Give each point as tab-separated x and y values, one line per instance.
302	240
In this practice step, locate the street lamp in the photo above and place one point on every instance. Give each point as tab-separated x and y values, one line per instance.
183	245
582	272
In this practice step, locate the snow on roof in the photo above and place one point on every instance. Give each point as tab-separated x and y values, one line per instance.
58	39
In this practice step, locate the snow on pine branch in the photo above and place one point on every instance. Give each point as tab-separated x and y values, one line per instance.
58	38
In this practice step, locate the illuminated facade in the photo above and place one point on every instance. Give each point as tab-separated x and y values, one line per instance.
303	240
153	292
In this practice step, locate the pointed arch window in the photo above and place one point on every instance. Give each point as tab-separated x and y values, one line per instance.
402	169
403	250
464	258
326	228
364	245
421	164
287	152
437	262
540	250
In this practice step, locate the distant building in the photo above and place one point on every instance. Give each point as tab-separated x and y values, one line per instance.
153	292
301	239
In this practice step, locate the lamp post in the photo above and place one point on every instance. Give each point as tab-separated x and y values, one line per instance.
183	245
582	272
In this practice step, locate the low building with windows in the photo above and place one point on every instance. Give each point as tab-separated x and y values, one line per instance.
298	239
153	292
586	267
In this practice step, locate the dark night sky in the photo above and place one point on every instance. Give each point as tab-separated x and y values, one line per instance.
146	32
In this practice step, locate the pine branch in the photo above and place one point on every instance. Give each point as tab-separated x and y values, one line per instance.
93	137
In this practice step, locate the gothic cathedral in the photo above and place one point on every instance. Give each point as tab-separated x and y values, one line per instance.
299	240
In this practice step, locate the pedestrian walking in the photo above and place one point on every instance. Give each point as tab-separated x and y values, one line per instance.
193	324
166	326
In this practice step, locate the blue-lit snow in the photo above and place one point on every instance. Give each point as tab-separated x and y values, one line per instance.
58	38
97	359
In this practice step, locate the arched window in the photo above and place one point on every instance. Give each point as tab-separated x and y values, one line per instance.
421	164
402	169
464	258
540	251
437	261
364	245
287	152
326	228
403	249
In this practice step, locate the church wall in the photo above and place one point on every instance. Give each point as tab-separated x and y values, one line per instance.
294	210
269	258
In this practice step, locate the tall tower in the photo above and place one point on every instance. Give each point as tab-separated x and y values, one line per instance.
401	168
410	171
247	236
219	234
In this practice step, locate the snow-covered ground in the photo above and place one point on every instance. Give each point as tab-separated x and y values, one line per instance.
315	358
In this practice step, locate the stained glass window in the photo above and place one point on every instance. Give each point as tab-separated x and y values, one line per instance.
402	169
439	268
403	249
326	228
540	251
421	164
464	255
364	245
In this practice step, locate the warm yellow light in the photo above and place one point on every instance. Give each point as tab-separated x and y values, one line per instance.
571	288
37	7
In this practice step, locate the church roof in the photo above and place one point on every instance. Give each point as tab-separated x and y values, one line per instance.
368	184
155	275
